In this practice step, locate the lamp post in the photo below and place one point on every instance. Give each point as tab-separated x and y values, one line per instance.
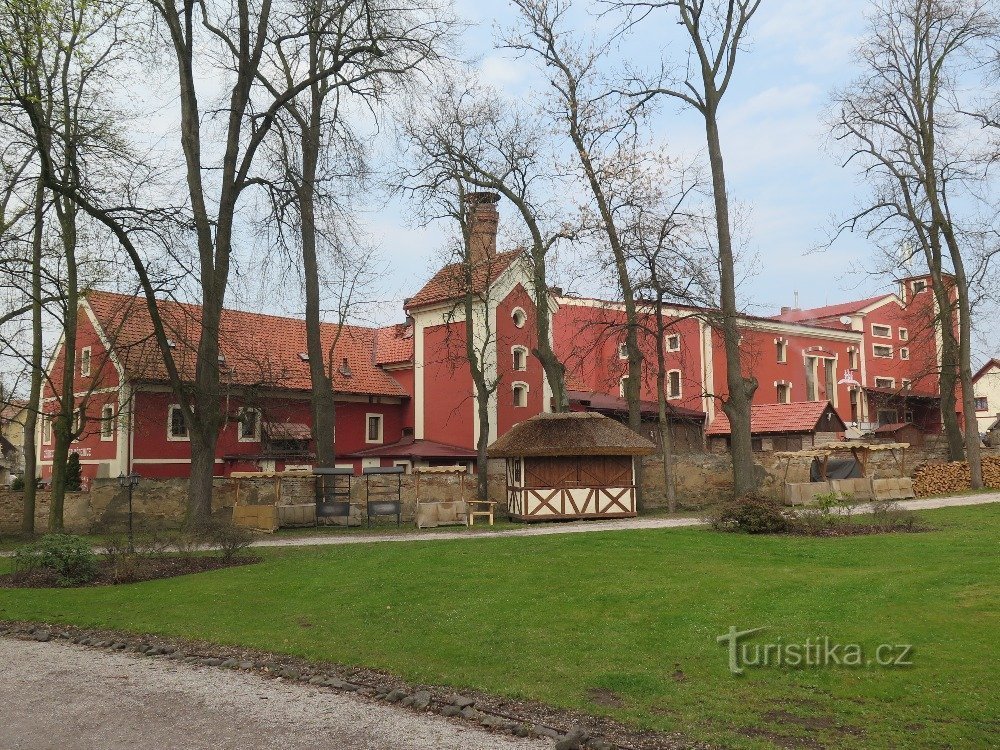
130	481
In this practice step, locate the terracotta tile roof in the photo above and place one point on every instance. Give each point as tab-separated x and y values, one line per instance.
257	349
412	448
829	311
892	427
394	344
801	416
449	282
604	403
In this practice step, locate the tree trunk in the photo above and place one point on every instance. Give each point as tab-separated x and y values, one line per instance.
322	397
35	394
972	451
202	475
63	429
666	441
555	371
740	389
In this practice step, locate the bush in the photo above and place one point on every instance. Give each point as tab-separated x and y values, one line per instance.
74	476
751	514
17	484
888	515
230	540
68	558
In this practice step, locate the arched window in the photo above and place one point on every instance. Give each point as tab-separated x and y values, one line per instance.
519	356
520	394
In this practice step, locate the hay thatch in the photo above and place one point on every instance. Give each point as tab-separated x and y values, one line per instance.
572	434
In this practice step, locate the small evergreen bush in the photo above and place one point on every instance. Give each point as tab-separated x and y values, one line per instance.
68	558
751	514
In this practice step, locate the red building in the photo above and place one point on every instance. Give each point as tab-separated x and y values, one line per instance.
405	394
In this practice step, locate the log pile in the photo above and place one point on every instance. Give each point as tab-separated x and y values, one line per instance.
952	478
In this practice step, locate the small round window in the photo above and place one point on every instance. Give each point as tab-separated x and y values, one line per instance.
519	317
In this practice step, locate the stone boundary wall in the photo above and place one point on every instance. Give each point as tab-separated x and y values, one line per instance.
164	501
701	479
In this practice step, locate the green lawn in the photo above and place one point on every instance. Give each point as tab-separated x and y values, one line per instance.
556	618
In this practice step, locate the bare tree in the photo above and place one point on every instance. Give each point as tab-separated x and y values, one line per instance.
662	233
717	32
901	123
467	131
589	115
319	159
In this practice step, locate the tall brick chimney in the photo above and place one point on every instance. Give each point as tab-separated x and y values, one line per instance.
483	220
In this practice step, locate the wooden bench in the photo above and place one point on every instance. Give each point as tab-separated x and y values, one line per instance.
481	508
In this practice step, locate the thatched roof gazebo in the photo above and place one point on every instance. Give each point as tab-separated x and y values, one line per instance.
574	465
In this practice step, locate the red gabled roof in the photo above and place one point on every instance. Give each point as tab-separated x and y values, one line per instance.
802	416
990	364
258	350
603	402
829	311
449	283
886	428
394	344
411	448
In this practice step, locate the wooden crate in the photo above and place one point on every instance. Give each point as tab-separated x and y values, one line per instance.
257	517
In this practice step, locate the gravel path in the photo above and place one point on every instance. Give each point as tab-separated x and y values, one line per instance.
577	527
58	695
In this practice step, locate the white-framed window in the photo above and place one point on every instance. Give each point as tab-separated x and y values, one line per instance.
248	425
406	465
674	384
674	342
107	422
622	386
85	362
905	384
982	403
46	429
882	351
177	428
852	358
781	349
519	357
783	393
919	286
904	334
887	416
78	415
904	352
373	428
885	382
881	331
520	394
622	350
519	316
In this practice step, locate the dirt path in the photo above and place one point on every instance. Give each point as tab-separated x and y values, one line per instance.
576	527
60	695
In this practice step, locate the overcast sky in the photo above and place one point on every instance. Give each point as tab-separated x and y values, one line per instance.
782	169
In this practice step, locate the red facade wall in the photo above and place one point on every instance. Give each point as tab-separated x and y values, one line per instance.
508	335
587	340
448	389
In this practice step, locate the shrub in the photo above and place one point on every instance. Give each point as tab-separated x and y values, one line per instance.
887	515
74	476
17	484
752	514
230	540
68	558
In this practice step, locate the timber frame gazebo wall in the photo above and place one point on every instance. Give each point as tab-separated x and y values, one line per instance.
570	466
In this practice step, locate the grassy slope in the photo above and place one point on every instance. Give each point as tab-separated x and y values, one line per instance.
553	617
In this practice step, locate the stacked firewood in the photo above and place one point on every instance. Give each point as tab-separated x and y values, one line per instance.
952	478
